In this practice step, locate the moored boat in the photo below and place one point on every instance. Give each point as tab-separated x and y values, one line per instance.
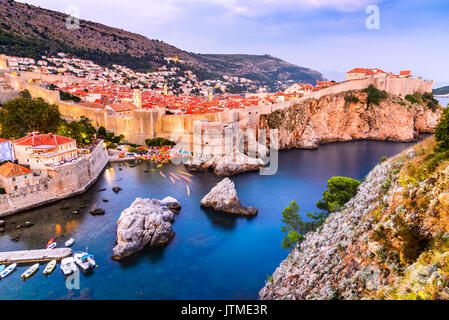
69	242
68	266
50	242
163	175
50	267
2	267
52	246
8	270
188	190
85	261
30	271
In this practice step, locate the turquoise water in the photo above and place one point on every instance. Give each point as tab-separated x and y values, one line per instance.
213	256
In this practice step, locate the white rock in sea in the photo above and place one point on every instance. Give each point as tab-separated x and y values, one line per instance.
172	204
223	197
146	223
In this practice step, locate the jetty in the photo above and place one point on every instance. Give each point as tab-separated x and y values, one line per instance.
34	256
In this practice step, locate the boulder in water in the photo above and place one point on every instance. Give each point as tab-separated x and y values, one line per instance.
146	223
223	197
172	204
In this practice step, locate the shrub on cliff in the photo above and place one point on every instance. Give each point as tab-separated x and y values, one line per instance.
351	99
442	131
341	190
375	96
21	116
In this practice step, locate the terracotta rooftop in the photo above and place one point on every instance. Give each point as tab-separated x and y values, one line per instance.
42	140
10	170
3	140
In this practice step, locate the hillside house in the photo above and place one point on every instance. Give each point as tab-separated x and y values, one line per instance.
14	177
43	151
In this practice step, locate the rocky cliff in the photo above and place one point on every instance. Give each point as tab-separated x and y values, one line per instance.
391	241
347	116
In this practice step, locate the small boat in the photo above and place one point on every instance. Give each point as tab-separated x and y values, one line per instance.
8	270
52	246
68	266
188	190
175	176
85	261
50	242
30	271
2	267
186	179
69	242
163	175
184	173
50	267
172	180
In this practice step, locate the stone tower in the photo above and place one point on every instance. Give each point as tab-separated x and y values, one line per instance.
137	98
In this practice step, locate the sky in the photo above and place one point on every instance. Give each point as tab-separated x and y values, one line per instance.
330	36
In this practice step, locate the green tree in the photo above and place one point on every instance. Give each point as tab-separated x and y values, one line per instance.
82	131
341	190
25	94
21	116
292	220
442	131
101	131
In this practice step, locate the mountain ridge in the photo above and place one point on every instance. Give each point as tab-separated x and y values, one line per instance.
26	30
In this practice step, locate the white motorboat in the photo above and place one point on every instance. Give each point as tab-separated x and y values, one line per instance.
85	261
68	266
70	242
52	246
8	270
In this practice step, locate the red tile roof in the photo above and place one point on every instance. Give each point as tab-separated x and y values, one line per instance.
42	140
10	170
3	140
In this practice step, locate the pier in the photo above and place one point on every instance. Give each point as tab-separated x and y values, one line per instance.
34	256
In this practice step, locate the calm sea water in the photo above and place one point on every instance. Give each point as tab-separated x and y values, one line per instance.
213	256
443	101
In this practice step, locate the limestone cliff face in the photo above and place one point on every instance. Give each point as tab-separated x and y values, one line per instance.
331	118
391	241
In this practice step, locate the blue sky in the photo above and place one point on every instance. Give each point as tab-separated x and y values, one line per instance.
325	35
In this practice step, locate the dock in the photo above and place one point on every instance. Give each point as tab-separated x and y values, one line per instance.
34	256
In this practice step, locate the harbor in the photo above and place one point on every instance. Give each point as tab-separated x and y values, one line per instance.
34	256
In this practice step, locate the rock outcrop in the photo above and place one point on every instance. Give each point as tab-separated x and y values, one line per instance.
223	197
334	118
146	223
228	165
389	242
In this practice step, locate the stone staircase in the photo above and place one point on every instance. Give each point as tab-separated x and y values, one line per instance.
4	84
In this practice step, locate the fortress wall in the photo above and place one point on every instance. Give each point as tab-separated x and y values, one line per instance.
66	181
27	75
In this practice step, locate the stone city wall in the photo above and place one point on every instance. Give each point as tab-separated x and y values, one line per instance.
63	182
